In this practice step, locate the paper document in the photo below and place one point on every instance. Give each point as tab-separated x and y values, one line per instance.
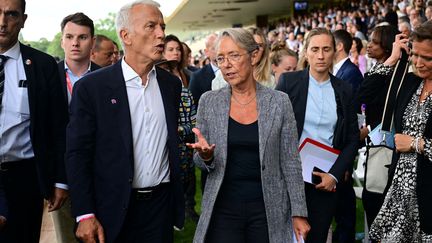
376	137
361	120
295	239
315	154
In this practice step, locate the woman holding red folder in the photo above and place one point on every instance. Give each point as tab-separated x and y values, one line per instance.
323	112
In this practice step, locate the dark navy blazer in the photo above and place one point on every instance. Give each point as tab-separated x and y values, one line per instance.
99	154
350	73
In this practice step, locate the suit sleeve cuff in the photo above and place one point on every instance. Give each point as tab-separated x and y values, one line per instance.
209	165
61	186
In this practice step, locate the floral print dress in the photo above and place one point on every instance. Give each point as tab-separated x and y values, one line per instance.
398	219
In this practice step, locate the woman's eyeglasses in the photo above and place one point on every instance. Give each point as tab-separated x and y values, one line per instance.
232	58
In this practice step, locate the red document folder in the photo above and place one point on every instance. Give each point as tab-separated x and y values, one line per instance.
316	154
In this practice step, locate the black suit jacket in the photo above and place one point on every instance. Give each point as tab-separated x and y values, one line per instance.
346	134
424	165
201	81
373	93
3	202
350	73
48	117
61	68
99	156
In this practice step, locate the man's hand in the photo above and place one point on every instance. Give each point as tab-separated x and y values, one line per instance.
328	183
57	199
90	231
364	132
2	221
301	227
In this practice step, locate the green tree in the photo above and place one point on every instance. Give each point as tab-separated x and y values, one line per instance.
103	26
54	48
42	44
107	27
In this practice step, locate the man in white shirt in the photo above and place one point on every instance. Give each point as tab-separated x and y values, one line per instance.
77	41
122	157
33	117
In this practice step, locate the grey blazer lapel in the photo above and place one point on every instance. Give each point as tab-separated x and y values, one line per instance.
222	111
266	113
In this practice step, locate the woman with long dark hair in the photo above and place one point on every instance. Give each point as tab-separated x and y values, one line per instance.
372	93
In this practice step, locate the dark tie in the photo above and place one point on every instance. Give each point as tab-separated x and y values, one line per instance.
3	60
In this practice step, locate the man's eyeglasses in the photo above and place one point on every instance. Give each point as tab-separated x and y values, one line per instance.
232	58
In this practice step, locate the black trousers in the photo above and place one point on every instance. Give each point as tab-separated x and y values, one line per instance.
346	213
372	203
24	201
149	218
321	208
238	222
190	189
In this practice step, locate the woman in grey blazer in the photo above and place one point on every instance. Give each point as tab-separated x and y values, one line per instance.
247	141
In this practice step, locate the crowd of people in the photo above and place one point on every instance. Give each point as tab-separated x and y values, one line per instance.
110	141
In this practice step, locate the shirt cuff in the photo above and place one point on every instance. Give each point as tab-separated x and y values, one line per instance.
61	186
333	177
85	216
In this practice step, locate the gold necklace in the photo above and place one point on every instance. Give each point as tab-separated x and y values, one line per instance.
243	104
426	92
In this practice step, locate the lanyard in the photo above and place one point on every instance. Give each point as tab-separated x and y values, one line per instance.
68	83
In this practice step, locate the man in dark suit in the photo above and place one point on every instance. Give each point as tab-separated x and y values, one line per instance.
323	112
343	68
201	80
33	117
77	41
122	155
347	71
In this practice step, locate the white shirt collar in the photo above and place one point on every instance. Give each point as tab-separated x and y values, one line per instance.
67	68
214	67
14	52
338	65
129	74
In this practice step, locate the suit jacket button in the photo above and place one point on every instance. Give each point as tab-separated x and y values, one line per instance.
130	180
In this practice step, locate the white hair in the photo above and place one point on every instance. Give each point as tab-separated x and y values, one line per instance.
123	15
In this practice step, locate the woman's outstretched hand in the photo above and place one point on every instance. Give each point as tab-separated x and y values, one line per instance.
205	150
